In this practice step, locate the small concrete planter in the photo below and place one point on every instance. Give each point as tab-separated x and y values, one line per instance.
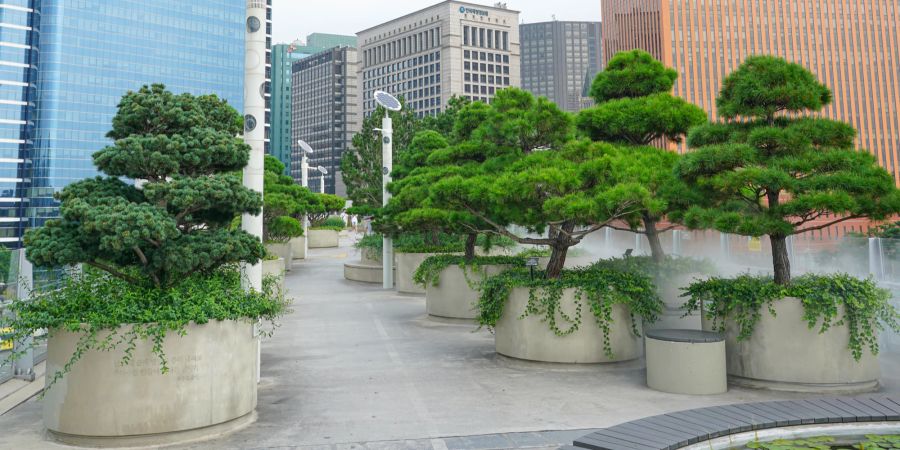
210	388
283	251
532	339
298	247
669	291
274	267
406	264
784	354
452	297
323	238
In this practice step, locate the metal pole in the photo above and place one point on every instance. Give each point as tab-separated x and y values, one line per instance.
876	261
676	242
304	180
322	183
254	125
23	367
387	157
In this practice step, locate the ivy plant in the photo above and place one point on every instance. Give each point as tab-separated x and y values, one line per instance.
743	300
429	272
597	289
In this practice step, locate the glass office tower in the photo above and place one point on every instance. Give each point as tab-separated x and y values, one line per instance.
64	66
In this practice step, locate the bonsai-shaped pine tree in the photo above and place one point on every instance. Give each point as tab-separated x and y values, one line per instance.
176	221
361	165
773	169
323	206
283	200
635	108
525	169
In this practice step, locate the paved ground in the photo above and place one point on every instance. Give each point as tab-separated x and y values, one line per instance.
358	367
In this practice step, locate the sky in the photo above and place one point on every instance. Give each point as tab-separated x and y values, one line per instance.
293	19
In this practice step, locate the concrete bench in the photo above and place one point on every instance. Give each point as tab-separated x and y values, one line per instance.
686	362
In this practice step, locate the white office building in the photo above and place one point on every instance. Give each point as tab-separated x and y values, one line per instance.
449	49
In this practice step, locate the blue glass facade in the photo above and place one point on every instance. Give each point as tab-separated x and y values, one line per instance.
85	55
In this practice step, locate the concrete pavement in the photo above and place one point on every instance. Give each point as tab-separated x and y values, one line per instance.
354	366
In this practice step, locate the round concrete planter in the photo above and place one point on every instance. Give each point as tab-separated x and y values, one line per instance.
370	257
274	267
784	354
365	273
452	297
298	247
406	264
669	291
210	388
283	251
323	238
532	339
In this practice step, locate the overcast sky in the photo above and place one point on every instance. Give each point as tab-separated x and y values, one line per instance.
297	18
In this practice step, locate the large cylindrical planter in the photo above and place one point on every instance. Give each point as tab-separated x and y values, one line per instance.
210	388
407	263
453	297
283	251
672	317
298	247
275	268
323	238
783	353
532	339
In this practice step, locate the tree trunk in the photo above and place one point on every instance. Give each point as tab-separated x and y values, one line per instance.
559	249
471	239
434	238
653	237
780	260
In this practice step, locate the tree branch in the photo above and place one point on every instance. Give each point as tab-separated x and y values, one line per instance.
146	263
828	224
113	271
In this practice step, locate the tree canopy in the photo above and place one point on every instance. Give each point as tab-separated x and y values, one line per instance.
635	109
772	170
283	199
186	151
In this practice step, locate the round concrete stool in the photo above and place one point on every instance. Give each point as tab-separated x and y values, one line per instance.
686	362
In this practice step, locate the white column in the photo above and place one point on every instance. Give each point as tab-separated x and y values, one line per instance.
304	180
254	123
387	157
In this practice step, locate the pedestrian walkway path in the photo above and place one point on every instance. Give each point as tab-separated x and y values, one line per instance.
354	366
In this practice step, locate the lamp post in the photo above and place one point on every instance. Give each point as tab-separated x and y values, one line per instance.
322	171
305	150
254	126
387	157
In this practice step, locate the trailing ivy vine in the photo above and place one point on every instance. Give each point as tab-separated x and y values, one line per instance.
596	288
109	313
867	309
429	272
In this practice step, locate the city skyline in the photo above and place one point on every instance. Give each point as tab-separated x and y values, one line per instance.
294	20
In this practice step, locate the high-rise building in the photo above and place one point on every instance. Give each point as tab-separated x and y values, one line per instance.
325	111
283	57
560	61
64	67
450	49
851	46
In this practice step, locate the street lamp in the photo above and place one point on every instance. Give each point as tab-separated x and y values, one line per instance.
305	151
387	157
322	171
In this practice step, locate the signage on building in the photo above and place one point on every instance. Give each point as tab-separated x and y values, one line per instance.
477	12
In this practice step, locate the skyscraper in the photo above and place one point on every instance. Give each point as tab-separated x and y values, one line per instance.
853	46
560	61
64	67
283	57
450	49
326	111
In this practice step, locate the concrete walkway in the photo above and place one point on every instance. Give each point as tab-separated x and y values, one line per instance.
357	367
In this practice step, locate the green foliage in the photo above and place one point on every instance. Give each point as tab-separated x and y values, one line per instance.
361	165
335	222
766	85
429	272
323	207
667	269
780	176
426	243
283	201
641	120
744	299
632	74
93	303
597	289
871	442
813	443
186	149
